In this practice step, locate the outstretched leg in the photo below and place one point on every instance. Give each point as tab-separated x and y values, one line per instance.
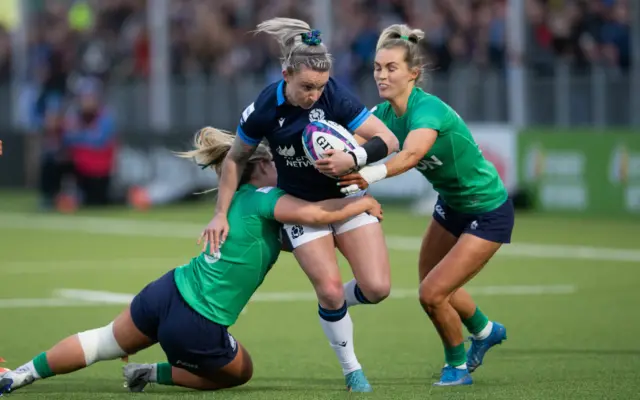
116	340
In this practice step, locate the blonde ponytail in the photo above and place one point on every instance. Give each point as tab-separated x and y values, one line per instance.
212	145
299	44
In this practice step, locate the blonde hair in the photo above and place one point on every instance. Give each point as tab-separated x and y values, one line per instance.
400	35
299	44
212	145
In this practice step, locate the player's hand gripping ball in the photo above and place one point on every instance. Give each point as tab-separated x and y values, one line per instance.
320	136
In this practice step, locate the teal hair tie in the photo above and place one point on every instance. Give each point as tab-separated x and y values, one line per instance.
312	38
404	37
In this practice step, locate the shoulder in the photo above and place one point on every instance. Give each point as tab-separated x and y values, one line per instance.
380	110
269	192
426	104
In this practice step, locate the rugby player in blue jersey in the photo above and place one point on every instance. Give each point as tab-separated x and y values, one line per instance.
279	115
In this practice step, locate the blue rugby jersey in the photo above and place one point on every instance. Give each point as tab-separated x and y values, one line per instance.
272	118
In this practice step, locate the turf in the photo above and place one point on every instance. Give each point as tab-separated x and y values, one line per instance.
579	344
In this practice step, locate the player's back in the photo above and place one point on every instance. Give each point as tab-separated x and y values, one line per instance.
219	287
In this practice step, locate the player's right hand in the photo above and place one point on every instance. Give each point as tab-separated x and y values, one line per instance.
375	208
215	234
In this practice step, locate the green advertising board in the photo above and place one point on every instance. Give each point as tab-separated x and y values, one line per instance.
581	171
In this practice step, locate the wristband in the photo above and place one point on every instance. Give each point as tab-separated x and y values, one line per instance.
373	173
359	155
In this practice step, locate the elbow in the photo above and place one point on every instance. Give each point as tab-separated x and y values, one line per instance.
393	144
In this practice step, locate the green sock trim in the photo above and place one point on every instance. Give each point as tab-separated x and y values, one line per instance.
455	356
42	366
164	374
477	322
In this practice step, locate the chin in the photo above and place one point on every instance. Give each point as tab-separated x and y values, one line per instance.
385	94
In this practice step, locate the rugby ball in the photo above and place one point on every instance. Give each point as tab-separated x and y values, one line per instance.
320	136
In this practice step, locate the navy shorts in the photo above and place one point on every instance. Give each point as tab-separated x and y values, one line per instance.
189	340
494	226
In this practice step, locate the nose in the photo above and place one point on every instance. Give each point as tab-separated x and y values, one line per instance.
314	96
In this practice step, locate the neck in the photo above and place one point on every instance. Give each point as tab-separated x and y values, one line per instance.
399	103
287	97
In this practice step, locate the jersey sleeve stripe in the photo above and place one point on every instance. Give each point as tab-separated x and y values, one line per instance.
248	140
359	120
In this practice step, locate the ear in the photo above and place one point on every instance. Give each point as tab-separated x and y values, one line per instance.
286	75
414	73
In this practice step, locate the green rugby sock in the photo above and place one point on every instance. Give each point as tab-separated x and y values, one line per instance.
477	322
455	356
163	374
41	365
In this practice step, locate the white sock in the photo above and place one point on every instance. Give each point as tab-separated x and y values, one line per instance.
462	366
153	376
340	335
350	293
28	367
484	333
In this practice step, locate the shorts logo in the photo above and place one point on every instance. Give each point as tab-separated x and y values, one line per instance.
188	365
440	211
232	342
474	225
296	231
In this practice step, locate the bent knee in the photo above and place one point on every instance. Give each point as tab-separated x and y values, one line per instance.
431	296
375	292
330	293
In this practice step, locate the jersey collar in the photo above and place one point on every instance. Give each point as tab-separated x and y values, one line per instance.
280	93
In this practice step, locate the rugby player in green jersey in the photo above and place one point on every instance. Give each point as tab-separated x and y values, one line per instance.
473	216
189	309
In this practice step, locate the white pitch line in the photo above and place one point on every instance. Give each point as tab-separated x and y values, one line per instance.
124	227
95	298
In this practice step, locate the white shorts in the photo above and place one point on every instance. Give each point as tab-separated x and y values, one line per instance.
301	234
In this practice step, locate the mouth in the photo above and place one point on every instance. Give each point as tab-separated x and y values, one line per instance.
382	86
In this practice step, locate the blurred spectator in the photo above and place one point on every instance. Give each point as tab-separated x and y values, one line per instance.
210	37
89	142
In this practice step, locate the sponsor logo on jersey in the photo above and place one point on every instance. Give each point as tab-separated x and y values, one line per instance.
430	163
291	160
286	151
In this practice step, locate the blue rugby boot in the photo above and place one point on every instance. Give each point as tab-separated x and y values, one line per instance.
451	376
479	347
357	382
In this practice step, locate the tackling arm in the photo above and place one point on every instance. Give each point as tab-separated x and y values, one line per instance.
291	210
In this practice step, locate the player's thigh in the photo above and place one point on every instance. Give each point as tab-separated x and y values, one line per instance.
436	243
129	337
314	249
193	342
237	372
361	240
143	316
467	257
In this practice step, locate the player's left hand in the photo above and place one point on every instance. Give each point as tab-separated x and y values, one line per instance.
352	183
336	163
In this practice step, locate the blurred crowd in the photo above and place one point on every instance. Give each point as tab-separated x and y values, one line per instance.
76	47
111	38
